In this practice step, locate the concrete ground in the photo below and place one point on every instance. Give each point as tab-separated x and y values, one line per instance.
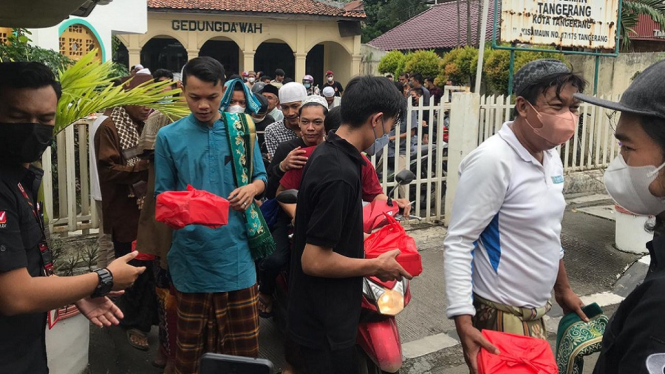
430	344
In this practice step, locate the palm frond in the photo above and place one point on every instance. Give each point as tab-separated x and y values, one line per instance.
86	89
632	9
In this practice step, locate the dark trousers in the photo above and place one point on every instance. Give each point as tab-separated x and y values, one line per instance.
139	302
121	248
271	266
327	361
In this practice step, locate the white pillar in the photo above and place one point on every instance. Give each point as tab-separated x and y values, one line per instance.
463	138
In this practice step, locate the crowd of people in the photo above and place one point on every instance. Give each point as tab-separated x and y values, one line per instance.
250	138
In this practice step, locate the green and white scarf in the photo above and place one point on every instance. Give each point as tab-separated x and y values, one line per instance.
242	137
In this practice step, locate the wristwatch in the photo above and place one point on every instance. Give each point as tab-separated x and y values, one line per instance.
105	284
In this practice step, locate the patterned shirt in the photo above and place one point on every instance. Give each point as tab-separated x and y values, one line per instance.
276	134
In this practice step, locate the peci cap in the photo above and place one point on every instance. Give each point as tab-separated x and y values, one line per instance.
291	93
280	72
271	88
131	82
315	99
536	70
329	72
328	92
645	96
251	72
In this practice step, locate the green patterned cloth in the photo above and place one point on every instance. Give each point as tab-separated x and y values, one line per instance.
242	136
576	338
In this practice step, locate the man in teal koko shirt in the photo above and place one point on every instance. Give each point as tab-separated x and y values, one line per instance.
212	269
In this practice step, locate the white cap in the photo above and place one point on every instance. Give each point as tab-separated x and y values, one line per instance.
144	71
292	92
328	92
138	66
315	99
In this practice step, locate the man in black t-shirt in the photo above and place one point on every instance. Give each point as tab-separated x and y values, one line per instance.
28	99
328	261
331	82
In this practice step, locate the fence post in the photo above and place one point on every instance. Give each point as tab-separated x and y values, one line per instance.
463	138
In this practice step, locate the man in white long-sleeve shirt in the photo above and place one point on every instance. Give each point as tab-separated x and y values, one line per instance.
503	253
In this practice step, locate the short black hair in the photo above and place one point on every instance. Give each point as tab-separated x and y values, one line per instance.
238	87
540	86
266	77
405	75
204	68
399	86
366	95
333	119
280	72
234	76
417	77
162	73
311	104
418	90
18	75
389	76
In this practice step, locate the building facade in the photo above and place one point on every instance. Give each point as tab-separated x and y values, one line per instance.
299	36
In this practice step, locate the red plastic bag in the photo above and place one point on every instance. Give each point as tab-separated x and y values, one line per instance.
519	355
374	214
178	209
393	236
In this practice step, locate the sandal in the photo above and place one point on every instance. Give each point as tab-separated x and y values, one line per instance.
133	334
265	305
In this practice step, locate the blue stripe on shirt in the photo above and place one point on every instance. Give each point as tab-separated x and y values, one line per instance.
491	240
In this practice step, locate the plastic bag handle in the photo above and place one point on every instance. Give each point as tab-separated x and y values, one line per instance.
391	220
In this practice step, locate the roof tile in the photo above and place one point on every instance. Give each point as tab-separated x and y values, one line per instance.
311	7
435	28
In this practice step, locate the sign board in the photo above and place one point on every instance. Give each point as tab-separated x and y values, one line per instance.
561	23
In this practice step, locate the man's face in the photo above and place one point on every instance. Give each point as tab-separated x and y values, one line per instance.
138	113
330	78
548	103
311	124
28	105
203	98
238	98
330	99
266	80
279	78
402	79
273	101
167	88
290	111
415	97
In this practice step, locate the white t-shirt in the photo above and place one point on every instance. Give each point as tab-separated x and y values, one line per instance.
95	190
504	238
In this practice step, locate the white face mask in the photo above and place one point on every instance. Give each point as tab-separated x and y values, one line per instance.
629	187
235	109
259	119
330	79
252	80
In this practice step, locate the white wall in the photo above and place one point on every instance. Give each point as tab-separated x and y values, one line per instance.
120	16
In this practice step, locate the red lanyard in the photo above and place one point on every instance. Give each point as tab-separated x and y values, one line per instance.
44	250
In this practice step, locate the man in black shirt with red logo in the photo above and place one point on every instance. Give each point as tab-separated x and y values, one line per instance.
328	261
28	101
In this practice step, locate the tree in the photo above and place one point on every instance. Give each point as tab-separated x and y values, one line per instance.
391	62
19	49
425	63
630	12
496	68
383	15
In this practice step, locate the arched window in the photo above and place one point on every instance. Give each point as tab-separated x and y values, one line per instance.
77	40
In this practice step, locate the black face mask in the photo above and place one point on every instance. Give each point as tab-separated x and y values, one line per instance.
24	142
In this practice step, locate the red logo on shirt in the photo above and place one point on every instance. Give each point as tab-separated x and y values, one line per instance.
3	217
